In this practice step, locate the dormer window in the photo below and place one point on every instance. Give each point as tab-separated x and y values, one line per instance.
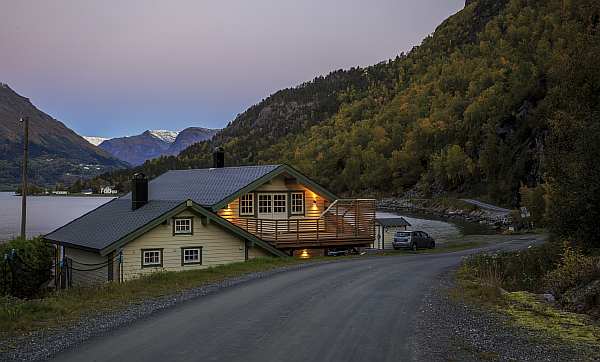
247	205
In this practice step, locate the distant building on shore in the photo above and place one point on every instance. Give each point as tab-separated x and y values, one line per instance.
109	190
60	192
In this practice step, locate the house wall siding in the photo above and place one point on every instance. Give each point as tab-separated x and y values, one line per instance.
86	274
312	210
218	247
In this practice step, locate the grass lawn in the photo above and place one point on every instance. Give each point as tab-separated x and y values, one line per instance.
67	306
63	307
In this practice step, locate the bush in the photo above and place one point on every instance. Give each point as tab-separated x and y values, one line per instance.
25	265
516	270
574	270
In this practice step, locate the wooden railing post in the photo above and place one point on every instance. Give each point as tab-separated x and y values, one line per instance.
298	230
276	224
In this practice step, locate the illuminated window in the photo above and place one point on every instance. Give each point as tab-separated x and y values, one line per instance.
297	200
247	205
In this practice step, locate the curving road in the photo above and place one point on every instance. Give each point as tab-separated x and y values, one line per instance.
355	310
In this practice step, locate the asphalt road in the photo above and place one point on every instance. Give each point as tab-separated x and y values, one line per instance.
355	310
487	206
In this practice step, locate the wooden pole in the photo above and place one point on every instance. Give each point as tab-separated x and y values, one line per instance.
24	120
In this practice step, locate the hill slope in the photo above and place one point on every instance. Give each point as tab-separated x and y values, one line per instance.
466	111
54	149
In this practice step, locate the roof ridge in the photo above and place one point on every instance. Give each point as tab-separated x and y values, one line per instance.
227	167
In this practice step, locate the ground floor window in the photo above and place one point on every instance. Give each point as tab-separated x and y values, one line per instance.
191	255
151	257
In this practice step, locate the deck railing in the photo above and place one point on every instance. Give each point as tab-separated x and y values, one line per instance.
346	221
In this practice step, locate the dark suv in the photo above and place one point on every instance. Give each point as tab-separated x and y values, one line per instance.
412	240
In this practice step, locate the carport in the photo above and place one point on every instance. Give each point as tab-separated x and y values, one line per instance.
385	228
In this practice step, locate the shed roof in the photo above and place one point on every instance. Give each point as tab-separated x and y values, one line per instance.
392	221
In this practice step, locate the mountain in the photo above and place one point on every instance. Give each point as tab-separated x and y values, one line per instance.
164	135
503	95
135	150
96	141
56	153
188	137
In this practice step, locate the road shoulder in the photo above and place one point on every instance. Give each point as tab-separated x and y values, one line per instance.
451	329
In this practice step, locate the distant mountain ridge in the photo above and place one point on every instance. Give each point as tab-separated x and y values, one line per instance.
96	141
150	144
56	153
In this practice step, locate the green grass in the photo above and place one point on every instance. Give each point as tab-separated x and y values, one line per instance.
57	309
525	309
60	308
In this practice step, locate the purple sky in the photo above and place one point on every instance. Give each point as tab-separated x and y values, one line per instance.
112	68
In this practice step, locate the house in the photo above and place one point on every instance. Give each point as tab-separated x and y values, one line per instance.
385	228
60	192
109	190
190	219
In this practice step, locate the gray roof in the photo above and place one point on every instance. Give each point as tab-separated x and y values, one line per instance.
110	222
204	186
115	220
392	221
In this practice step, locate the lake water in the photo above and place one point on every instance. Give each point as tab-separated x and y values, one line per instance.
44	213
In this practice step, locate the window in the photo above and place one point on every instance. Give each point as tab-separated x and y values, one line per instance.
191	255
182	226
297	200
279	201
151	257
265	203
247	205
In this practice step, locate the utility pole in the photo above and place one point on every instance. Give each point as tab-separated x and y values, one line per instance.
24	120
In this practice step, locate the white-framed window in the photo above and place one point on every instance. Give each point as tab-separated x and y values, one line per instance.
265	203
247	205
279	203
191	255
297	203
151	257
182	226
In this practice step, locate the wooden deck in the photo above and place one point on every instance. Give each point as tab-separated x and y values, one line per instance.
346	222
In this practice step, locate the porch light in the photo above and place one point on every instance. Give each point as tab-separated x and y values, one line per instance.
304	254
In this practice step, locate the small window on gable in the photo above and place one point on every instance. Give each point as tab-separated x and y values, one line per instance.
247	205
297	203
182	226
151	258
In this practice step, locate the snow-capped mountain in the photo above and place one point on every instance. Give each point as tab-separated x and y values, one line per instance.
96	141
154	143
165	135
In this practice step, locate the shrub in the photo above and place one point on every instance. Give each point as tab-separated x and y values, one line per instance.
516	270
25	265
575	269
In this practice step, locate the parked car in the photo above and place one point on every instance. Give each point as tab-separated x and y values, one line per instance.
412	240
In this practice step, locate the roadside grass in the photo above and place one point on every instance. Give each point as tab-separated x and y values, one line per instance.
525	309
19	316
64	307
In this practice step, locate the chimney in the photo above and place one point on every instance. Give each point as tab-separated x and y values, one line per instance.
218	157
139	191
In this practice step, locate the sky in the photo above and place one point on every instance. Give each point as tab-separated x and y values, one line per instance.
118	67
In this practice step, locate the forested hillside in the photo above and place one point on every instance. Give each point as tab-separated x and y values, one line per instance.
56	153
503	94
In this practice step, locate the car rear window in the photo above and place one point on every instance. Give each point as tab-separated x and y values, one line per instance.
402	234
